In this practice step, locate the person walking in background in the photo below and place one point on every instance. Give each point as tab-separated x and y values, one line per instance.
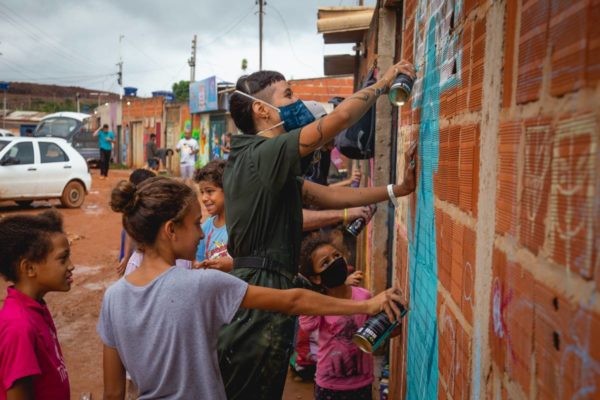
152	155
187	149
106	139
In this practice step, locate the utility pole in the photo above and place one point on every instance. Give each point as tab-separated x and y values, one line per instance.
192	61
261	4
192	64
120	65
4	87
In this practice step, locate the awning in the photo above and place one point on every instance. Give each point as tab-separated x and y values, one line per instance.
344	24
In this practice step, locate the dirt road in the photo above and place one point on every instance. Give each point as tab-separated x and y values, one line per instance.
94	231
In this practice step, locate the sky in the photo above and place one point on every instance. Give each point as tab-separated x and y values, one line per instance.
76	42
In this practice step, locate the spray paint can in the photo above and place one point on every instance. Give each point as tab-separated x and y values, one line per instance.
376	330
400	90
356	227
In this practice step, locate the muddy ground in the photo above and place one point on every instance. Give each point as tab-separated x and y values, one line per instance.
94	231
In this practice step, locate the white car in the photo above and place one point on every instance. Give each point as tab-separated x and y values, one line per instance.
4	132
41	169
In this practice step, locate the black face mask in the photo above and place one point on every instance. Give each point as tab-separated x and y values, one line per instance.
335	275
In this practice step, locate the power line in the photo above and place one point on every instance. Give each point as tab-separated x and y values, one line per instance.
39	35
290	39
139	50
235	25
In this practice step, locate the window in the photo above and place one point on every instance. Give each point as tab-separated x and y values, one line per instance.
57	127
51	153
20	153
3	143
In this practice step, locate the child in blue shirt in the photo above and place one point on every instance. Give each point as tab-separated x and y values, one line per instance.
212	250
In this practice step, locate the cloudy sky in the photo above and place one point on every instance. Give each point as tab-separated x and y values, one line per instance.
76	42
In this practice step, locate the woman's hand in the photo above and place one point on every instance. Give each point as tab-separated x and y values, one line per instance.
403	67
384	301
410	168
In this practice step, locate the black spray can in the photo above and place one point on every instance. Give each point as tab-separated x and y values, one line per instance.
400	90
376	330
356	227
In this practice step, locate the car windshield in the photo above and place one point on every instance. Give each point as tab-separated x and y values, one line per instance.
57	127
3	144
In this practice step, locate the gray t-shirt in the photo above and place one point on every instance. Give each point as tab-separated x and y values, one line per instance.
166	332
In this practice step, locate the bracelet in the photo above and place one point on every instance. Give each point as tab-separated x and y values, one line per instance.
393	199
345	216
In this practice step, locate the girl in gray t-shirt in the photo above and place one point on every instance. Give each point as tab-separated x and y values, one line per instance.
161	322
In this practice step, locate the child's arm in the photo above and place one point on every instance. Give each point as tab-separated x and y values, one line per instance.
307	302
114	375
128	251
22	389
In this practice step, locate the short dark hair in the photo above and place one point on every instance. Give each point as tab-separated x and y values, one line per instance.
211	172
147	206
105	126
241	106
309	246
26	237
140	175
152	136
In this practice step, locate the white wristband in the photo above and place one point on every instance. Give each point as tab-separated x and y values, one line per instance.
390	189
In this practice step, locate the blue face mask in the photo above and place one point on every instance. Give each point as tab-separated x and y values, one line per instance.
293	116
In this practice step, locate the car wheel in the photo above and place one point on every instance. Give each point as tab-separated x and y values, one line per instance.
73	195
24	203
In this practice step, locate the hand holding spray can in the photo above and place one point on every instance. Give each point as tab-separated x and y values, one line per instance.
376	330
356	227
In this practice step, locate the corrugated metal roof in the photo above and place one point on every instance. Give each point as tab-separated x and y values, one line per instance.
26	115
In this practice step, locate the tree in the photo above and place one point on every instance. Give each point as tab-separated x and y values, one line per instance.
244	64
181	90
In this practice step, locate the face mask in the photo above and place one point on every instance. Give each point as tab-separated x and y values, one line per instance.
335	275
293	116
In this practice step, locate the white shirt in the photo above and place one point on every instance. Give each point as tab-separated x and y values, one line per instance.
187	148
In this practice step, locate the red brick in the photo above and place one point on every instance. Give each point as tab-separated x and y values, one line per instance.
454	355
568	34
533	43
469	167
509	52
572	202
452	166
506	195
462	99
593	44
468	256
537	175
566	345
476	84
511	325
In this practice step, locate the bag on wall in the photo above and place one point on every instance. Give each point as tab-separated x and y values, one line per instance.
358	141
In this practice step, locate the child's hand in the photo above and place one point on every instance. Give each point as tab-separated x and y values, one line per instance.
355	278
224	264
384	301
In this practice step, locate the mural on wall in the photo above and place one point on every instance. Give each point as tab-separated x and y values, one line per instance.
438	62
204	140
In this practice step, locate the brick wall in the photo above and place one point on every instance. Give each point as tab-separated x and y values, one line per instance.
497	250
322	89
